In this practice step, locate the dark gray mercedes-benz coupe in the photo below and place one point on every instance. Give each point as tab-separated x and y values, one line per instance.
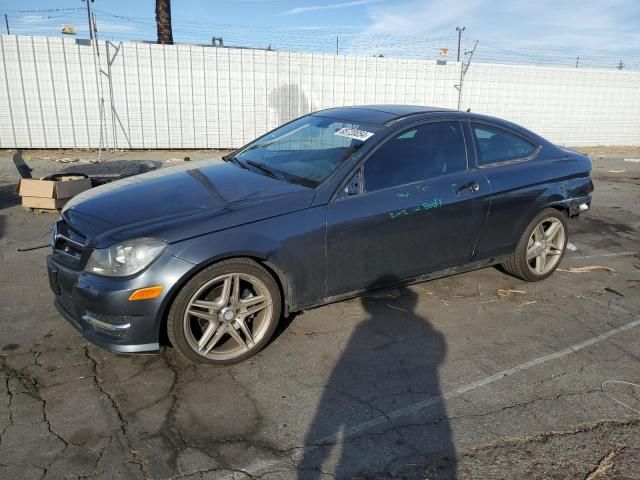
212	254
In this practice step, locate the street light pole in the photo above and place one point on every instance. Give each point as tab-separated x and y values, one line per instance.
459	30
6	21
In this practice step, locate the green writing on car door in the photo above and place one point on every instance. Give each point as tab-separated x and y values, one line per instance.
435	203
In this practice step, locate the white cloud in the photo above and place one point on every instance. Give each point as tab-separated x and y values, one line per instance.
573	24
331	6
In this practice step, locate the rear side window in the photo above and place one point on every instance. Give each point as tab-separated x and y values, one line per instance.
498	145
418	153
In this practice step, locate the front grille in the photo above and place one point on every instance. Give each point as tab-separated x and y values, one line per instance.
68	243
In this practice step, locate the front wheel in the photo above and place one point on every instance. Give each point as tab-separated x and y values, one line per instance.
540	248
226	313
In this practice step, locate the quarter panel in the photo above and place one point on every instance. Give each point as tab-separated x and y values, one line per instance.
520	191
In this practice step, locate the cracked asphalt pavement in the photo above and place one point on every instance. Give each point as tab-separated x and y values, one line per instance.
478	375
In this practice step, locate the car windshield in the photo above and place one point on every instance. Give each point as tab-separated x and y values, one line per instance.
306	151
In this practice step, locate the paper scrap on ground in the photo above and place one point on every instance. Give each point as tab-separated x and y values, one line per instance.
587	269
505	292
354	133
527	303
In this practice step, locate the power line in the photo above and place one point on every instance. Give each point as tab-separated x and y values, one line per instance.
47	10
323	40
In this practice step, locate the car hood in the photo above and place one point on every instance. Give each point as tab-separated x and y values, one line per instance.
181	202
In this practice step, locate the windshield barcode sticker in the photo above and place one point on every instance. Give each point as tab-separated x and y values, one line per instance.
354	133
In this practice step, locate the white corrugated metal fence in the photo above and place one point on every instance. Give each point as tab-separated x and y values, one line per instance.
191	96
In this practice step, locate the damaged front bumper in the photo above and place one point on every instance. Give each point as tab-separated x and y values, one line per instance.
100	309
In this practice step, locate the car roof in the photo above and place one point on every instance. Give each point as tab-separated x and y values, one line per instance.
388	114
377	114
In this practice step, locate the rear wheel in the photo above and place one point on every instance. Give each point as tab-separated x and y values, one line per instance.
540	248
226	313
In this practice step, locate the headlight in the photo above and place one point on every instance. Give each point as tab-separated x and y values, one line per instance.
125	258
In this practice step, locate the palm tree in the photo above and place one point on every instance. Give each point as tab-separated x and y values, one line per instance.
163	21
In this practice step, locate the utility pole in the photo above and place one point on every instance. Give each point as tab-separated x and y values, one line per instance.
94	24
459	30
620	65
89	18
6	21
336	44
577	61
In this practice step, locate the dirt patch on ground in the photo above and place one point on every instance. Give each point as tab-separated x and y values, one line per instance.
603	149
73	156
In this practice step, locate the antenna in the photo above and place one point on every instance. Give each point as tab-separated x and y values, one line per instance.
463	71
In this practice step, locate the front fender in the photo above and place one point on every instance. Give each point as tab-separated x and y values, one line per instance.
291	245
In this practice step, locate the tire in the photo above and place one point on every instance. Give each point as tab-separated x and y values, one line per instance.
555	246
213	321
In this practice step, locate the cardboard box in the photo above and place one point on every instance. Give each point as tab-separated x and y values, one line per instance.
51	194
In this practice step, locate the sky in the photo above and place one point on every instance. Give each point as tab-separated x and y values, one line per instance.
544	31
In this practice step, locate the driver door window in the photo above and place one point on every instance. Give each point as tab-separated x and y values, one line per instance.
418	153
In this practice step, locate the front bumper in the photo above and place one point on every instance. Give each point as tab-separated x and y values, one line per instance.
100	309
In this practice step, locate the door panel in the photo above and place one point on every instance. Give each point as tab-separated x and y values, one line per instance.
404	231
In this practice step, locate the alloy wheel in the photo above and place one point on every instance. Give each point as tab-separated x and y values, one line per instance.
228	316
545	246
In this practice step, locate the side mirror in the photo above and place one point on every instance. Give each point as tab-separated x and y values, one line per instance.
354	187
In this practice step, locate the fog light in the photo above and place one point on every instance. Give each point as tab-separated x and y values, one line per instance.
146	293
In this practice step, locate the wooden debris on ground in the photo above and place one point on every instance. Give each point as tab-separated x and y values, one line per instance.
612	290
506	292
587	269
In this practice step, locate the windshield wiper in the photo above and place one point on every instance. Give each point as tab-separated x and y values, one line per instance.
265	169
236	161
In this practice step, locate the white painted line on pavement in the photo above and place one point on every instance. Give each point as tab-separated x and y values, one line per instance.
456	392
363	427
602	255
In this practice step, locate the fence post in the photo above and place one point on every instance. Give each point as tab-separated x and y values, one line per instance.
84	97
55	98
66	76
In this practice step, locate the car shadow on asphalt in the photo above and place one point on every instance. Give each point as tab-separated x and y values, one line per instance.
366	421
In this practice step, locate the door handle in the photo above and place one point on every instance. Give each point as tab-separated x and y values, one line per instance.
473	186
